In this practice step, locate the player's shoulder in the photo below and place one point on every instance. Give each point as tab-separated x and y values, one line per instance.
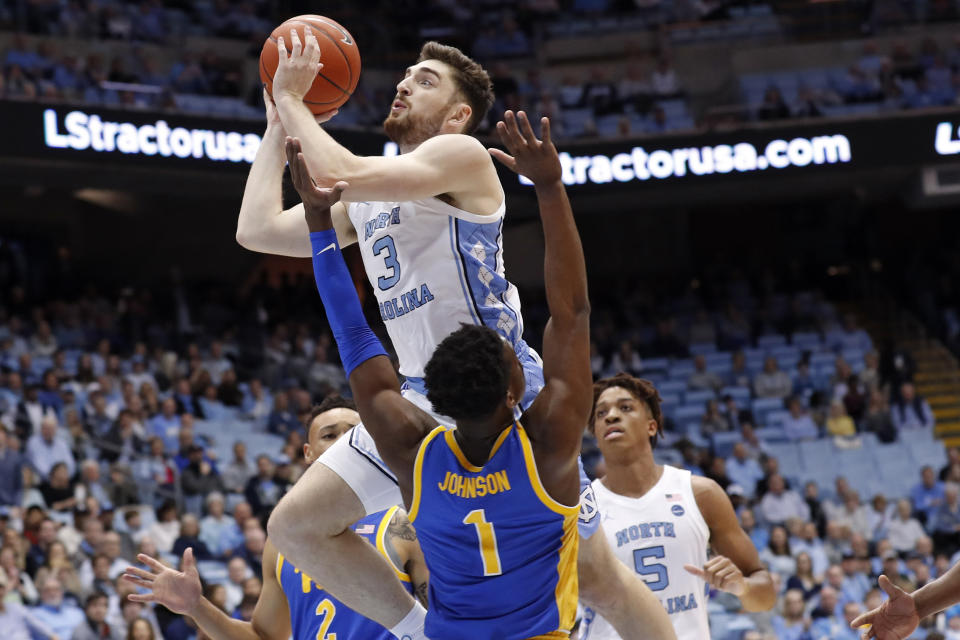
465	145
706	491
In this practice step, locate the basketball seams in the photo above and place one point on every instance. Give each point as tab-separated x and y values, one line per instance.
349	58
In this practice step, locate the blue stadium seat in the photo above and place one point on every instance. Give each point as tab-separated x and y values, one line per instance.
770	341
702	349
741	395
806	340
762	406
772	434
654	364
672	387
776	418
681	369
818	454
698	397
723	442
718	359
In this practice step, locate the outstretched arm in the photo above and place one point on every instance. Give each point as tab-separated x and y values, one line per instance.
263	225
445	164
563	406
736	567
390	419
402	541
181	592
899	616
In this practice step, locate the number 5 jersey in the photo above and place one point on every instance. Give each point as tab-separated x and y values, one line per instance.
656	535
502	553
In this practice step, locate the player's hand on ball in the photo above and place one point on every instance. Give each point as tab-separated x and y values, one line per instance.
316	200
297	70
535	159
721	573
179	591
895	619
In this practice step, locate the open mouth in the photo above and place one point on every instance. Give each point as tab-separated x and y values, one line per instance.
398	105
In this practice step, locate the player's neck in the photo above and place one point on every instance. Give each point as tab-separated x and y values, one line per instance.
633	478
482	436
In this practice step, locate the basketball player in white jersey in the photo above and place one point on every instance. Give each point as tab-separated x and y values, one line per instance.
661	521
428	222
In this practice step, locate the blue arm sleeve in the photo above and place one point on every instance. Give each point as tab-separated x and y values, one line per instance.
355	339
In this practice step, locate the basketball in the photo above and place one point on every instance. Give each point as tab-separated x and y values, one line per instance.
340	73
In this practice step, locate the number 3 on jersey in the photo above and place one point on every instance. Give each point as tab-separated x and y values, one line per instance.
489	552
328	611
390	262
653	569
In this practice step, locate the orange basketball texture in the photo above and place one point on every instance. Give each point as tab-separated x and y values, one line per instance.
340	73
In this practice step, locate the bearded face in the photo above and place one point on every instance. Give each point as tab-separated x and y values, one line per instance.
410	128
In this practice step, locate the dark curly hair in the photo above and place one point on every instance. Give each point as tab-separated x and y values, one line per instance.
467	376
640	389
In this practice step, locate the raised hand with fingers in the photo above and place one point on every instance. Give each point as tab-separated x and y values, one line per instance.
179	591
535	159
895	619
297	69
721	573
316	200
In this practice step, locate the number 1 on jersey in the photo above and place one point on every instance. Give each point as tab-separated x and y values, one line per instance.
489	552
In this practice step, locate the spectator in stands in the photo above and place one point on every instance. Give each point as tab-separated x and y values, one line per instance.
879	516
743	470
257	402
739	376
854	515
626	359
839	423
663	80
53	612
251	551
11	472
948	470
94	625
46	448
165	531
214	527
804	382
792	624
798	425
911	411
777	555
771	382
780	504
945	525
759	535
17	621
37	555
190	537
166	424
239	470
262	490
713	420
809	542
701	379
599	94
156	473
904	530
927	495
282	420
877	418
855	582
773	107
237	573
58	491
850	336
803	578
198	479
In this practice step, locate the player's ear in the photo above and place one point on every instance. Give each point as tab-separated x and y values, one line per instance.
461	115
306	450
651	427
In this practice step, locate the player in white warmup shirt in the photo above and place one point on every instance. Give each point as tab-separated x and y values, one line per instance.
661	521
428	223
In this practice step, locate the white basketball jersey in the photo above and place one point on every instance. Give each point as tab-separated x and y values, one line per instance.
656	535
434	267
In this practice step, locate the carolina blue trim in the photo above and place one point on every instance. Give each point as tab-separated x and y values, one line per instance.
415	384
460	269
503	294
486	235
371	458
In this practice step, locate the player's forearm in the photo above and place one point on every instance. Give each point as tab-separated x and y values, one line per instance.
327	159
565	271
262	196
760	594
219	626
939	594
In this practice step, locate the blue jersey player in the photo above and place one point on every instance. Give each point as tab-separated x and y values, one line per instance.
291	605
495	500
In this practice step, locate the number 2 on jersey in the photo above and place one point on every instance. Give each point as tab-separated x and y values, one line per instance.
489	552
390	261
328	611
652	569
